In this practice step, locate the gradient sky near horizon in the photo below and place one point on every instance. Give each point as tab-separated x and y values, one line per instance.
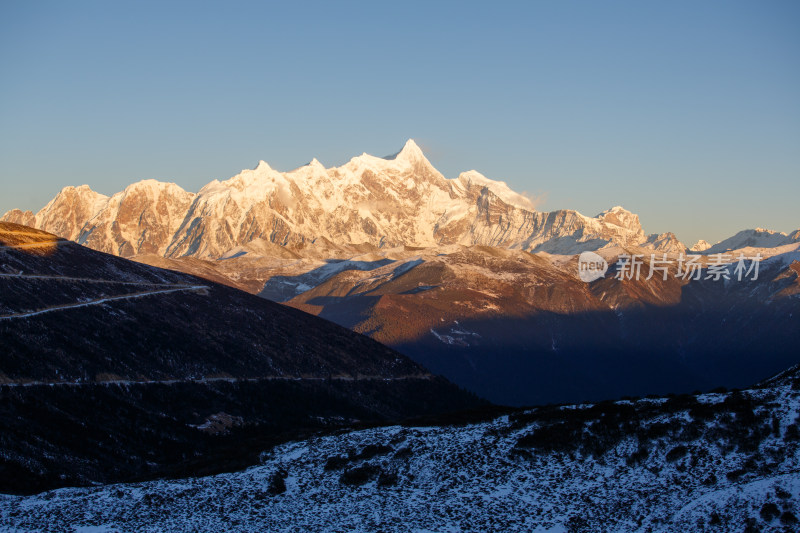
687	113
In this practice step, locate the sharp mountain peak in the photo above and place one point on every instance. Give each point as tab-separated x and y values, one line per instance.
379	202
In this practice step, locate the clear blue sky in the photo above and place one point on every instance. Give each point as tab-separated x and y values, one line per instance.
687	113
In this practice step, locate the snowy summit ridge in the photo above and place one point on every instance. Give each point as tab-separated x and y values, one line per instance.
380	202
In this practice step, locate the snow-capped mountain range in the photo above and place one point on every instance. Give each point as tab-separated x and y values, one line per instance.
438	269
380	202
753	238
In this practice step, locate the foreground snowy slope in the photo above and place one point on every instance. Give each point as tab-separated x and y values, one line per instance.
716	462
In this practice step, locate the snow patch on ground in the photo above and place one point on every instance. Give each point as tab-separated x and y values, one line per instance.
477	477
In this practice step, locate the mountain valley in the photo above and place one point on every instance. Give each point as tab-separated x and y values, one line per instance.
462	275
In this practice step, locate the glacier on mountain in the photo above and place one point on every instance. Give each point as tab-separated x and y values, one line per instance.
368	201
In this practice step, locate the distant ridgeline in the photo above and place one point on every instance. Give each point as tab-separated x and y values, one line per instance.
463	275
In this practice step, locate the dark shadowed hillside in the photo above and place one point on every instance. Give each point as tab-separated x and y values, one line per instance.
113	370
